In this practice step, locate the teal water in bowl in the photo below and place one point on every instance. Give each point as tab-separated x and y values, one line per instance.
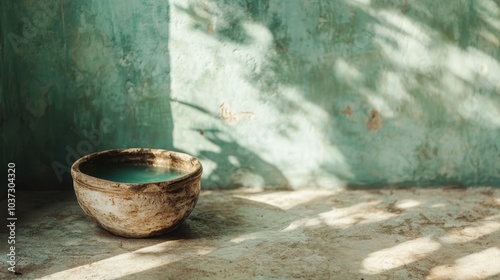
128	173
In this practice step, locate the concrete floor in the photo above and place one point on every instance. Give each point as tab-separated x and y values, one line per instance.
310	234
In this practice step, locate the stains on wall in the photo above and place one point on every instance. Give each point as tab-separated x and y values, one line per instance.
375	122
347	111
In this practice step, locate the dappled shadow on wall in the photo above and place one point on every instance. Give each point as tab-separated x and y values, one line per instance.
231	164
232	87
255	173
363	93
418	91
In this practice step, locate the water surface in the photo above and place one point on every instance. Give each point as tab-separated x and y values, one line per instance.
128	173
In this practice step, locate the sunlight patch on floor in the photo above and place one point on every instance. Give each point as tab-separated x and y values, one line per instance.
357	214
287	200
125	264
479	265
467	234
399	255
407	203
362	213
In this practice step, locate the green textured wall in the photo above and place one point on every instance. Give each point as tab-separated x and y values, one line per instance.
87	76
266	93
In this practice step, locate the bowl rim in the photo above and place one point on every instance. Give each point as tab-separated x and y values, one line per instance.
104	185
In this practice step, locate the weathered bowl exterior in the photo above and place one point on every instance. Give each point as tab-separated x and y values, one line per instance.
137	210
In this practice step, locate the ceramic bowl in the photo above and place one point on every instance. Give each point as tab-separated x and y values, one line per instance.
137	210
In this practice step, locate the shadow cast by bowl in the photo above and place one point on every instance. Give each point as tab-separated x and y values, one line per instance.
222	215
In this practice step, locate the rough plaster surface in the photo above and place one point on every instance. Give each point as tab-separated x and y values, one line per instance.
265	92
306	234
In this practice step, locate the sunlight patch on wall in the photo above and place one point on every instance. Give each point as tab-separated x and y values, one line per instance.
480	109
360	2
391	89
379	103
303	137
347	72
404	42
472	65
471	68
490	13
